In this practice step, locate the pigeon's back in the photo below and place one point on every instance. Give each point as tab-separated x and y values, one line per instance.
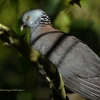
78	64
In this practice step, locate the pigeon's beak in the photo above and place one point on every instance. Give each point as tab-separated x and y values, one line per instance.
22	27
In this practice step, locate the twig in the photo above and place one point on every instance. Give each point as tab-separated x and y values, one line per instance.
41	64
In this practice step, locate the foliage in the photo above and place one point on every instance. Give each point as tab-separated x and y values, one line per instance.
76	2
83	22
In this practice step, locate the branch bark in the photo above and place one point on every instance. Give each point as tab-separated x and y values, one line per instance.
37	60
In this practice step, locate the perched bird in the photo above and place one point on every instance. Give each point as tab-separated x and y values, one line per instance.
76	62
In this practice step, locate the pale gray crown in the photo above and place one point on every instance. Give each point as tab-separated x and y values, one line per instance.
37	17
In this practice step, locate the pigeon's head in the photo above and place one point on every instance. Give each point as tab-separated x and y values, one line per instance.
34	18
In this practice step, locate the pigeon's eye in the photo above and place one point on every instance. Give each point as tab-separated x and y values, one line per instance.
28	17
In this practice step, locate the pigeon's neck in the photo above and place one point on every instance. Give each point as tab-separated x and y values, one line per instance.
39	31
34	33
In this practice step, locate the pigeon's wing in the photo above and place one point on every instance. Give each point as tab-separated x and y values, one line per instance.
78	64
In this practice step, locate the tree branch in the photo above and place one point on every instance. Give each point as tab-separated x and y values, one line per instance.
37	60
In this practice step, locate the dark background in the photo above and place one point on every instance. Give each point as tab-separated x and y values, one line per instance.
15	71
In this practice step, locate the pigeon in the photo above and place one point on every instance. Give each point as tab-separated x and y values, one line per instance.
75	61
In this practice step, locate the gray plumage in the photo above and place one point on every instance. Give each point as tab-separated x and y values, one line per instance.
78	64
